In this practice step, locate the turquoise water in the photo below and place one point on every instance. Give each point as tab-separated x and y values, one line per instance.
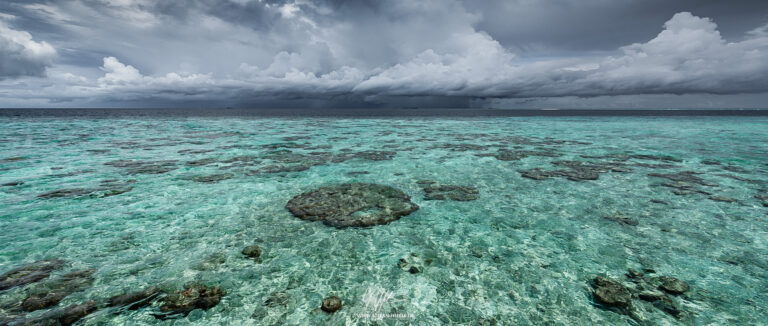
524	252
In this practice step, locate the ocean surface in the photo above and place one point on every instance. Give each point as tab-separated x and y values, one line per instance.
547	204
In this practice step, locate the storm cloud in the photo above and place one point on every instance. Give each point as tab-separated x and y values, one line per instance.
380	53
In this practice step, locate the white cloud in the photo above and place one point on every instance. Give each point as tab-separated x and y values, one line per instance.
20	55
289	10
688	56
118	73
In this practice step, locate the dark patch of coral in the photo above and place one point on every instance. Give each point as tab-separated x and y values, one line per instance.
352	204
29	273
51	292
182	302
450	192
134	300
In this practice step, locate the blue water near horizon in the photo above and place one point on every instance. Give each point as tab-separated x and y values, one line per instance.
524	252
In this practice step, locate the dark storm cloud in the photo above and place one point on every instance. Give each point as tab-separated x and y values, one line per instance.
376	53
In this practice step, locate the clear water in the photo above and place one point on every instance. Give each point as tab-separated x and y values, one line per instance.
523	253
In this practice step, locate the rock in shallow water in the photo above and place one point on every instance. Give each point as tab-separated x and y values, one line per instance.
413	263
182	302
575	170
213	178
611	293
134	300
650	295
66	193
331	304
50	293
144	167
621	219
58	317
669	307
252	251
673	285
724	199
450	192
352	204
29	273
277	299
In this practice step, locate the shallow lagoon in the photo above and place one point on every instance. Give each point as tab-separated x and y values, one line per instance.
165	202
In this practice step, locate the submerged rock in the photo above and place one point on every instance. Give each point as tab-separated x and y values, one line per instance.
352	204
688	177
626	157
211	262
134	300
621	219
42	301
213	178
283	145
631	273
535	174
144	167
575	170
673	285
650	295
331	304
413	263
29	273
462	147
512	155
683	188
243	160
252	251
60	317
50	293
365	155
668	306
724	199
194	151
286	156
106	190
277	299
736	177
450	192
295	138
182	302
611	293
13	159
280	168
736	169
579	174
67	193
202	162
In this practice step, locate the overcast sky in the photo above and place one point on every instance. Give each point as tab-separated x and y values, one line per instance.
399	53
